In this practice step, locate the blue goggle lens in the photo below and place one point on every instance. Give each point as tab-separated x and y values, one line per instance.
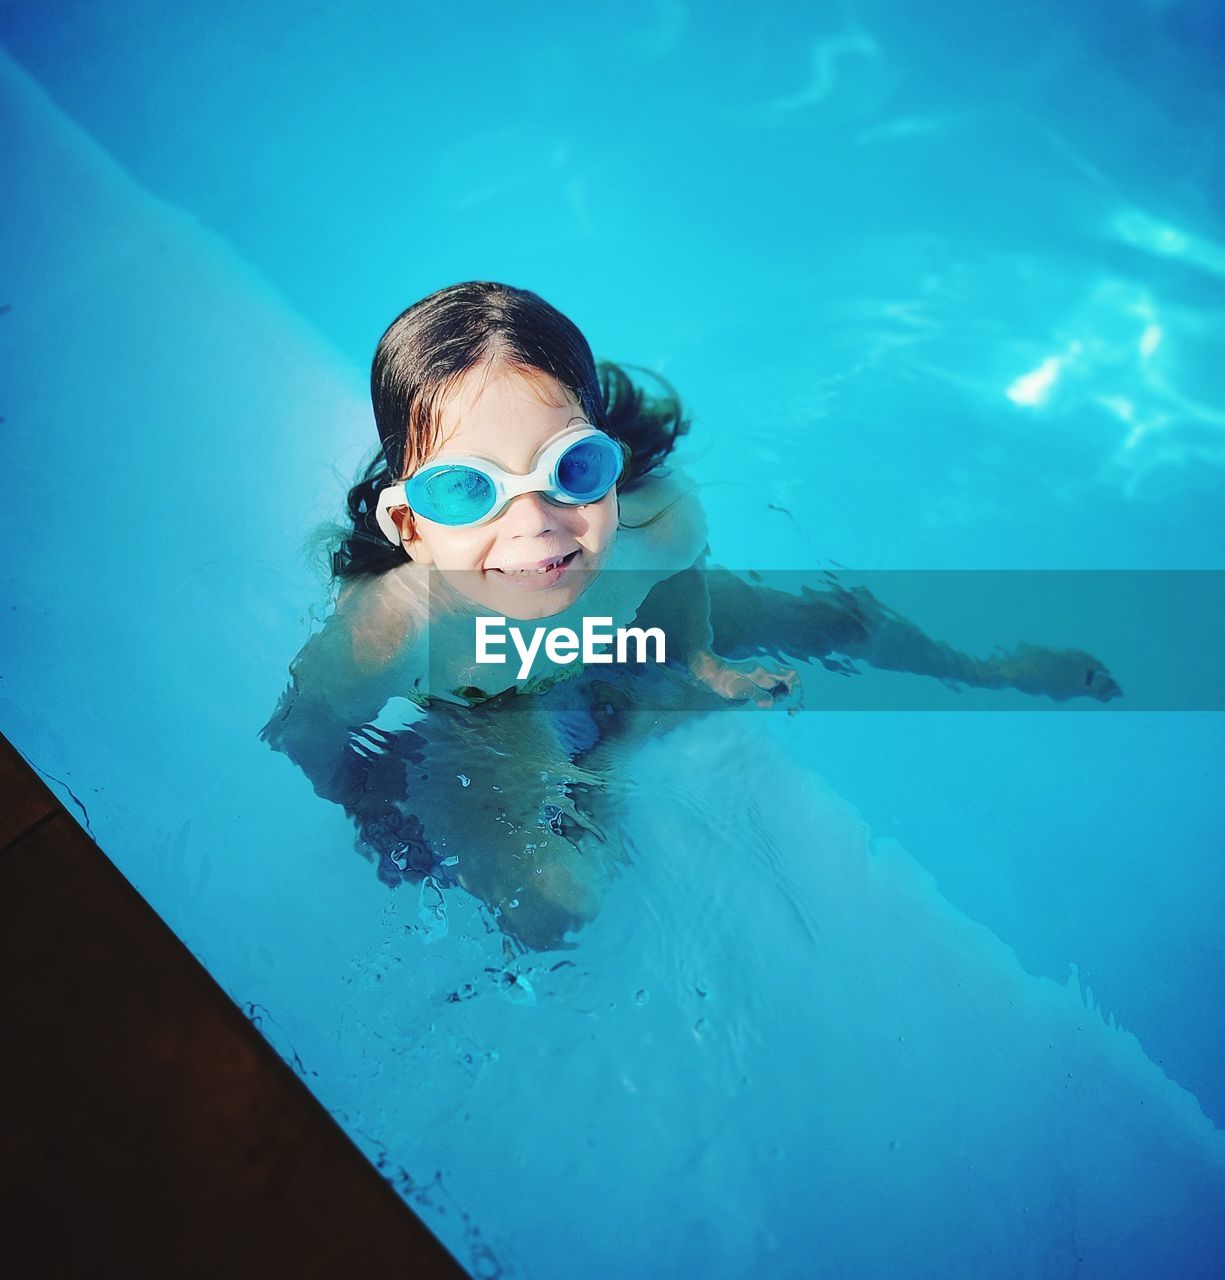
452	495
587	470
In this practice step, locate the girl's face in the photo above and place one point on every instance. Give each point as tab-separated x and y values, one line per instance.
509	415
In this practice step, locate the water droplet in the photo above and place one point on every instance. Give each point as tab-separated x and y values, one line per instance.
517	989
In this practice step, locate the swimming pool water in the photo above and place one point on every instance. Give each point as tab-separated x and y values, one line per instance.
914	993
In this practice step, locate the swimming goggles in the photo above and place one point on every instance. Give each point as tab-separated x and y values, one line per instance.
577	467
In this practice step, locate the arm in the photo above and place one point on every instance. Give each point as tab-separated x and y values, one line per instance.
681	606
314	718
749	617
676	540
340	681
489	785
893	643
510	823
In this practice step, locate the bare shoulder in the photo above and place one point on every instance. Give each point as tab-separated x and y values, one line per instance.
383	615
369	647
655	491
663	518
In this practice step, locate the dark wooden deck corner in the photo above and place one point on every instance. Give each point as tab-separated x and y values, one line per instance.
149	1129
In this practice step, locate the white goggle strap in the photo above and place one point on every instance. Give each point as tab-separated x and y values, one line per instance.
392	496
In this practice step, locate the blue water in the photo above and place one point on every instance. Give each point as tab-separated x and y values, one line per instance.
921	993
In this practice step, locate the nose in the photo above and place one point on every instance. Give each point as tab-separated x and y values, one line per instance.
529	515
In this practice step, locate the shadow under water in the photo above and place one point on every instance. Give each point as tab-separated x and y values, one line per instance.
515	798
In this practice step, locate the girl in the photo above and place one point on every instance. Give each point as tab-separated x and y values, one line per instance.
518	478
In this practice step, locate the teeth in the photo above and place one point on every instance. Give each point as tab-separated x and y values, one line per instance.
551	565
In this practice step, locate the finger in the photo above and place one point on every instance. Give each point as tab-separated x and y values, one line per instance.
772	681
788	685
795	702
1104	687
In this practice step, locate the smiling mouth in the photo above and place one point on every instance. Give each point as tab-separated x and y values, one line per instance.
559	563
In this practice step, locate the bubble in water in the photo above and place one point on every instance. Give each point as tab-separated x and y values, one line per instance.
517	989
432	909
641	997
464	780
485	1265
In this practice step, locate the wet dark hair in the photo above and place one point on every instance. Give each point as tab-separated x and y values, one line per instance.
428	348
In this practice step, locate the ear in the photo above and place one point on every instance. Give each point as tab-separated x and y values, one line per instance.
402	518
410	539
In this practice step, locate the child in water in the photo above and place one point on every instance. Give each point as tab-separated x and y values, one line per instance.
518	479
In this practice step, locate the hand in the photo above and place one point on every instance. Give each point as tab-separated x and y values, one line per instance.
746	680
1058	673
540	885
